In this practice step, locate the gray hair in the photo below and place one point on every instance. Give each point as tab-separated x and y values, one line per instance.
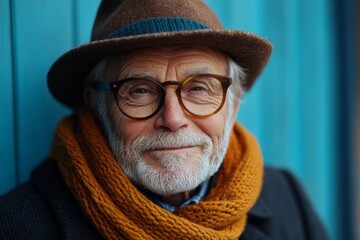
107	71
238	76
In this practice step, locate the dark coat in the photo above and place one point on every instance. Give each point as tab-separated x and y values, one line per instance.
43	208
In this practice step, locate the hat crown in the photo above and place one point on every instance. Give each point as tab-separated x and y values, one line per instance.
113	15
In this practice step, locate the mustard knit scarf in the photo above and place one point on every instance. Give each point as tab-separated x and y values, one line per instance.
119	211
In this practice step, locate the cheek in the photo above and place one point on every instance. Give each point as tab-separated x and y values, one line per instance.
120	127
214	126
128	130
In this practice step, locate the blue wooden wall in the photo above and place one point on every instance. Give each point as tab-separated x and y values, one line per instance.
293	109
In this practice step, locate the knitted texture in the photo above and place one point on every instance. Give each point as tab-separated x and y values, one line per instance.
156	25
120	211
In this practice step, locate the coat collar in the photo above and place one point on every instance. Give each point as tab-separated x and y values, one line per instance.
260	210
259	216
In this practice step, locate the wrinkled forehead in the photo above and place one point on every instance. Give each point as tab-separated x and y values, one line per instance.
184	59
174	51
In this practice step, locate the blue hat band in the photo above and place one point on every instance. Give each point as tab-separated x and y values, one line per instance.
157	25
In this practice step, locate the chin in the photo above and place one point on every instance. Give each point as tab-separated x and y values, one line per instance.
173	179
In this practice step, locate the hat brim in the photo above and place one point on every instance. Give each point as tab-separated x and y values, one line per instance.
66	75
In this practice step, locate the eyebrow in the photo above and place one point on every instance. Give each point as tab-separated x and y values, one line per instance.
201	70
152	76
130	74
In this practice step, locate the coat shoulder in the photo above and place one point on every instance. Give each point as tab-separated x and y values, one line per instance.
283	210
24	214
43	208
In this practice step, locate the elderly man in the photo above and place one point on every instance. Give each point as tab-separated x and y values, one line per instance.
152	150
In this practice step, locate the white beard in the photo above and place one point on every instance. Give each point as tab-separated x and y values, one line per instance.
170	174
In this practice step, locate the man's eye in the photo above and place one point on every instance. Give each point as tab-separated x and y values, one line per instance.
196	86
139	91
197	89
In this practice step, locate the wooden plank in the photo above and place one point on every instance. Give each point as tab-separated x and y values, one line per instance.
43	30
63	25
85	12
281	107
7	118
320	116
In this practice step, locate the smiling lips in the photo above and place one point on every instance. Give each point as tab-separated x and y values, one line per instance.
172	148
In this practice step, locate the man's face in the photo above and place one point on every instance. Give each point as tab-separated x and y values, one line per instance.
171	152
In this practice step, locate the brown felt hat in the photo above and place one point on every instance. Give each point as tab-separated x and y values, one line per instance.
130	24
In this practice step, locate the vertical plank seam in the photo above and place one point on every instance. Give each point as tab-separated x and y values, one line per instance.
14	88
346	107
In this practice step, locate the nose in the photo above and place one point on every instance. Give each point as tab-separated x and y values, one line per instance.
171	117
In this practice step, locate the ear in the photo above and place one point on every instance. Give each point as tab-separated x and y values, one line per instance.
235	110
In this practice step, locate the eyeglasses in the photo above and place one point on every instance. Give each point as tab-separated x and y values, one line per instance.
201	95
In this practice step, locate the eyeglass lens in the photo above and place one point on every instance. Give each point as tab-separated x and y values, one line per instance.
141	98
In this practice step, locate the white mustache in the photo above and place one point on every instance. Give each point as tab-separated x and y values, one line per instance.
164	139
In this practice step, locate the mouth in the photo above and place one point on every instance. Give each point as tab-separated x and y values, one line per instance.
171	149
